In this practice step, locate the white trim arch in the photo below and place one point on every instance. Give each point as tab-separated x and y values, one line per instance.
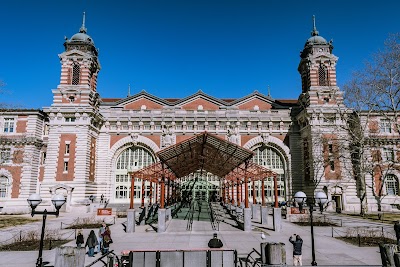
118	148
130	141
281	149
7	174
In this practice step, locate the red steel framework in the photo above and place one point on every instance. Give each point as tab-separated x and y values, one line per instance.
205	152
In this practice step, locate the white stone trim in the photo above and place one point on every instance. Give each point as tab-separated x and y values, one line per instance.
269	140
128	140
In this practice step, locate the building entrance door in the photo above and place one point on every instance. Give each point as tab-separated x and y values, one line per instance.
338	201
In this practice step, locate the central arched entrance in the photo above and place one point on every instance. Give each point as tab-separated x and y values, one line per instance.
131	158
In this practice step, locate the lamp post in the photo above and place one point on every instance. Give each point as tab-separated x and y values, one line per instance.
34	200
320	199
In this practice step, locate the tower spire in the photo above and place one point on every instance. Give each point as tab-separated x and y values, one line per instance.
314	31
269	91
83	28
129	90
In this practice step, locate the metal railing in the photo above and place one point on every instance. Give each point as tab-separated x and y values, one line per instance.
110	260
253	259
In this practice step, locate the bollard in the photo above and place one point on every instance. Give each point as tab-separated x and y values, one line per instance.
70	257
110	260
273	253
387	254
397	259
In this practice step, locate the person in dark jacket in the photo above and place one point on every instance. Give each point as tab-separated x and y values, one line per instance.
215	242
79	239
397	231
106	240
297	244
91	242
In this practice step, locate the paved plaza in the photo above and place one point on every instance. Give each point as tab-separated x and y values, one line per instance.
329	251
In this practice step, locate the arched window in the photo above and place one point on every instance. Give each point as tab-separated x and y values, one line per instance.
76	72
392	185
323	76
4	184
132	158
269	158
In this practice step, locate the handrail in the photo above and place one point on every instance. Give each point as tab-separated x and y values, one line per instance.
250	261
103	256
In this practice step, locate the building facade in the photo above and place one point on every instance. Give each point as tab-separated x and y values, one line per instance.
85	145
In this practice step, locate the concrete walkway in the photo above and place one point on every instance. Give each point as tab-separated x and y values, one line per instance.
329	251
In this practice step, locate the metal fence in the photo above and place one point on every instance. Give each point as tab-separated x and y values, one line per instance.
184	258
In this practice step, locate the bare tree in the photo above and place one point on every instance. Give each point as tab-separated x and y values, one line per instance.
373	95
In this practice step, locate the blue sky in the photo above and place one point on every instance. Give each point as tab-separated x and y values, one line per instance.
171	48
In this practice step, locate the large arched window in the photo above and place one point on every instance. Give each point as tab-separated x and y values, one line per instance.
392	185
132	158
271	159
4	184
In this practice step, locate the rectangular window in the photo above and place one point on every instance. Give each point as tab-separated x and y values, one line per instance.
70	119
385	126
43	159
9	125
332	165
65	166
66	149
388	154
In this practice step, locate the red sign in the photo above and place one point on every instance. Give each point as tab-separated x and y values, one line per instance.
102	212
294	210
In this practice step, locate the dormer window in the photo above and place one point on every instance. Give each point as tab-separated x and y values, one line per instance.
76	71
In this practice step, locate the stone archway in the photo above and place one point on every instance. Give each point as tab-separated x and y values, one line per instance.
135	142
66	191
282	150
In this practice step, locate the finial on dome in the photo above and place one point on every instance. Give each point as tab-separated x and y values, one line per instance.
314	31
83	28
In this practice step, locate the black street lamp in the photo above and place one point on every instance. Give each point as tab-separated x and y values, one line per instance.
34	200
320	199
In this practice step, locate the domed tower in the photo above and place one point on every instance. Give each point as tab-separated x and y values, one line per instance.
318	72
74	121
321	135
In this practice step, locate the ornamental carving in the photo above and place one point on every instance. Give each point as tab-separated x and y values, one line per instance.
168	137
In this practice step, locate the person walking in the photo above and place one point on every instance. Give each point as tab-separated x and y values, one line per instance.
215	242
397	231
106	240
102	229
297	245
91	243
79	239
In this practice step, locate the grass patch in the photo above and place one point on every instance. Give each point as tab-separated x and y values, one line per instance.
30	245
367	241
387	217
86	223
14	220
30	240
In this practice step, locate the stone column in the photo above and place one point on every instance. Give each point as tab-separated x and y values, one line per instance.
255	209
247	219
277	219
161	221
131	222
264	214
